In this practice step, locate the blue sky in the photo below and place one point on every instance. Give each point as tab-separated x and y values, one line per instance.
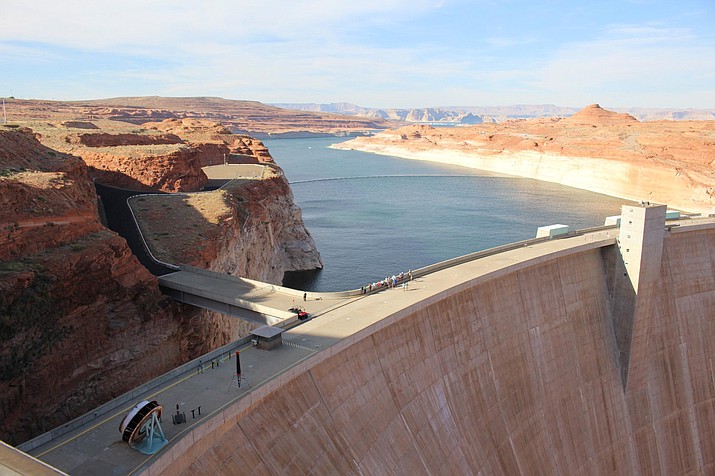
379	53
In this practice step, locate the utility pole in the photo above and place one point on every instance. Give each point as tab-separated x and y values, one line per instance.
4	114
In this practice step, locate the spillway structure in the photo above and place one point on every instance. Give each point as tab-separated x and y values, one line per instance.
584	354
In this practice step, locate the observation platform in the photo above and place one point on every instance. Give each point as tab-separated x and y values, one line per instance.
255	301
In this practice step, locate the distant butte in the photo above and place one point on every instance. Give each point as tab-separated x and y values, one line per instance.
594	114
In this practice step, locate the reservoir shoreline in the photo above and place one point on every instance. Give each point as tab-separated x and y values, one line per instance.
373	216
614	178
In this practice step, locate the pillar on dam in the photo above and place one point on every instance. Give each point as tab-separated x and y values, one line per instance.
640	246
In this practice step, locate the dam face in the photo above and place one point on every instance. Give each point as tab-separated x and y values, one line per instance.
516	374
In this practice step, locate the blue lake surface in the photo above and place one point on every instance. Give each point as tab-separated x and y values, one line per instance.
372	216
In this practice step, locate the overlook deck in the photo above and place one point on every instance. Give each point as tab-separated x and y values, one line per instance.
254	301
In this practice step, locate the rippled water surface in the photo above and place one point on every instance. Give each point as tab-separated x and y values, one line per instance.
373	216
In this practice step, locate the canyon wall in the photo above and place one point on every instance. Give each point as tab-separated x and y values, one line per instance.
513	374
267	239
632	181
81	320
249	228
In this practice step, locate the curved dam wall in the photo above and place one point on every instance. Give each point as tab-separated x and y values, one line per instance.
515	374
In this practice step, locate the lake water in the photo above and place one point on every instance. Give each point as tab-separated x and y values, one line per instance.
373	216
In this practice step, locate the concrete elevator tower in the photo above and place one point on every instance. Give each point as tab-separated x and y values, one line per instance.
640	246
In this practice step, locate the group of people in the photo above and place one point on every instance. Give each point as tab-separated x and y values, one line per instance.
402	279
214	363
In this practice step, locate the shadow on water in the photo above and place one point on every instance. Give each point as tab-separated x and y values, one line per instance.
302	279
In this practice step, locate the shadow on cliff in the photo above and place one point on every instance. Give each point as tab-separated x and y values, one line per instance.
116	179
119	218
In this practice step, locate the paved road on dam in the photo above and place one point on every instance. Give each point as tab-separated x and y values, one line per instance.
97	447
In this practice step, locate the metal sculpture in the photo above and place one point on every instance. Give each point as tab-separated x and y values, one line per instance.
141	428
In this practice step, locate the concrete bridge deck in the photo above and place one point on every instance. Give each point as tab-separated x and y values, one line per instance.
96	447
254	301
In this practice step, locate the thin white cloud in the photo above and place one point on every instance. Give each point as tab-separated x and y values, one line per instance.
166	24
326	50
507	42
27	54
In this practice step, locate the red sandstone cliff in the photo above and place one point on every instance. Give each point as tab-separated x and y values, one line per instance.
81	321
249	228
165	156
240	149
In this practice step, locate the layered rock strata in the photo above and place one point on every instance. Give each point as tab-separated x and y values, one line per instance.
165	156
246	117
249	228
81	321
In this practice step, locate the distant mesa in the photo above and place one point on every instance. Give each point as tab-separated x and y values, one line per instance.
79	125
481	114
594	114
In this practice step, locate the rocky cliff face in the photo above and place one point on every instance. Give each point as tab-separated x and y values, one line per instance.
81	321
250	228
165	156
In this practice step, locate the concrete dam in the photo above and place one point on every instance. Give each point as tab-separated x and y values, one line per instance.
587	354
579	359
